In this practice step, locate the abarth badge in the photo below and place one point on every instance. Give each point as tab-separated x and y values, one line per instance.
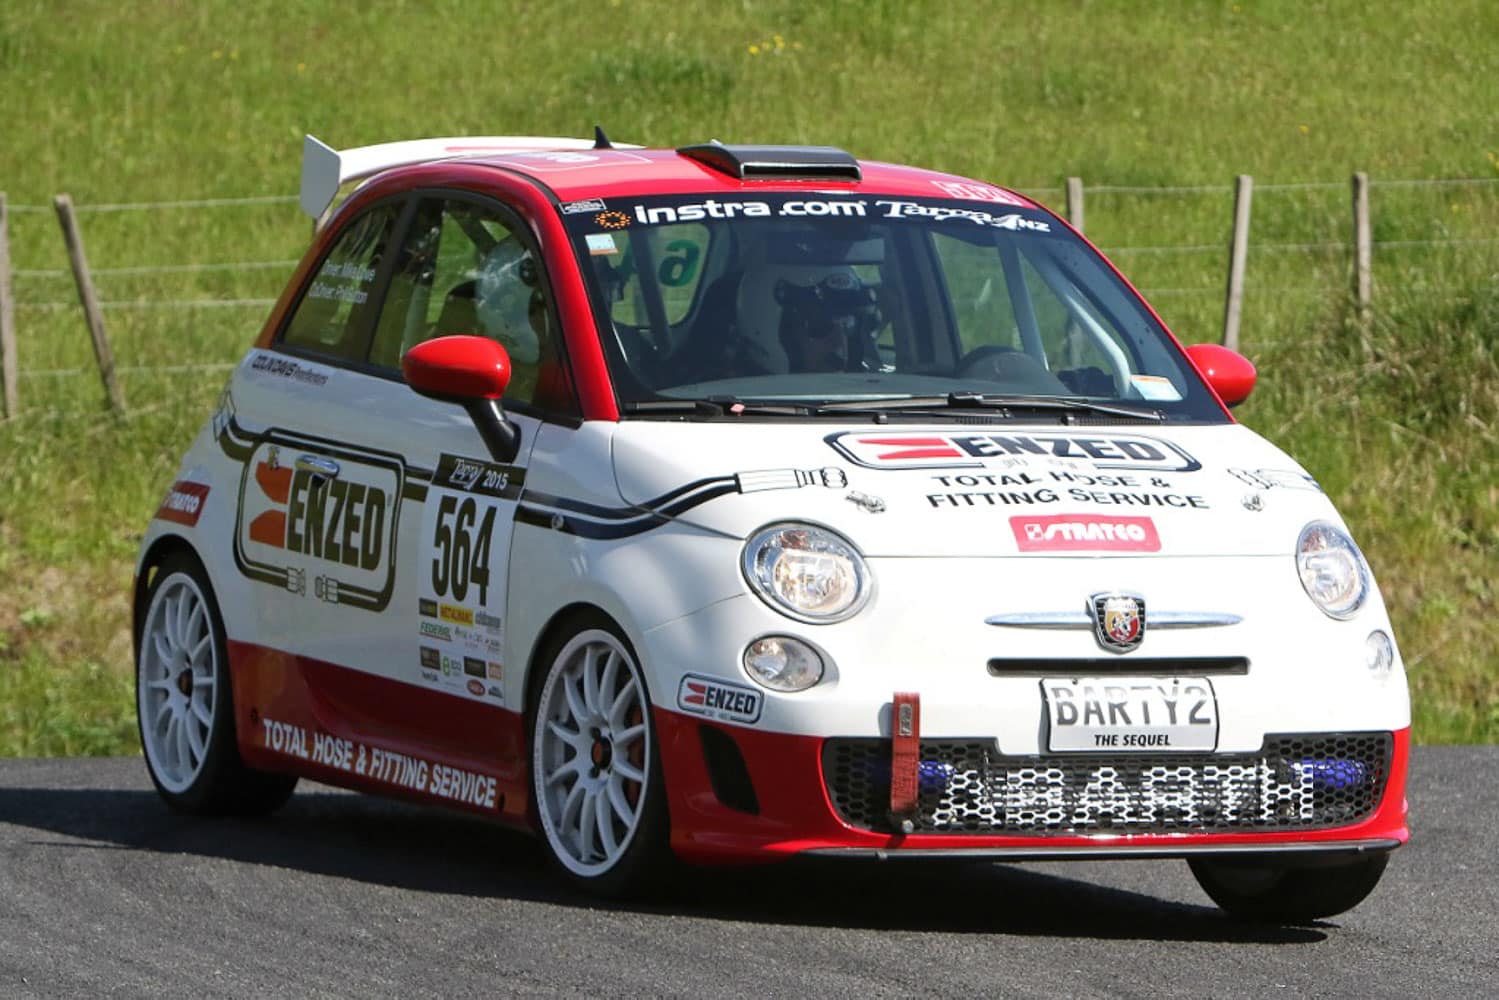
1118	620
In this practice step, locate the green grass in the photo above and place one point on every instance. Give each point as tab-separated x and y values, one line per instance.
168	100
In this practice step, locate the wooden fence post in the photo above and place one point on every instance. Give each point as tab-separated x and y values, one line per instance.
7	319
91	312
1363	242
1233	303
1075	202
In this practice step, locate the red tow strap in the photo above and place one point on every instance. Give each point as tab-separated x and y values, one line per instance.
905	752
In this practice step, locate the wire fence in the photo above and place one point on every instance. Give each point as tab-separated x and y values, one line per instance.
1122	207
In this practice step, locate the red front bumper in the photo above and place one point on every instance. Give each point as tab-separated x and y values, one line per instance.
794	814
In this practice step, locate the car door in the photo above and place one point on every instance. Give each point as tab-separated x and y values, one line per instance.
387	517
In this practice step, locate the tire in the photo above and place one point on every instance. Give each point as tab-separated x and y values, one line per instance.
1263	891
185	702
595	763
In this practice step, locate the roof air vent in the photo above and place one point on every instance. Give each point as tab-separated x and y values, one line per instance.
776	162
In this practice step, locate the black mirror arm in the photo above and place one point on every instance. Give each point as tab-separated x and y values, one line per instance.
500	433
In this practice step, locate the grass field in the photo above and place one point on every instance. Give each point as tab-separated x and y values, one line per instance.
160	102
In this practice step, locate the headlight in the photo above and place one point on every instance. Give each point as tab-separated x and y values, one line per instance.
1332	569
806	572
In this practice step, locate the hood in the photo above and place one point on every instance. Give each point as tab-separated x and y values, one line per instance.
948	489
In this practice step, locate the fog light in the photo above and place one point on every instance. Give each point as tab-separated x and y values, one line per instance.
1379	653
782	663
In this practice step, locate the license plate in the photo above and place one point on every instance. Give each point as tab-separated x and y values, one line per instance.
1130	714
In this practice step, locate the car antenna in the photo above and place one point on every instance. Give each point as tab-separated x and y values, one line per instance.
600	140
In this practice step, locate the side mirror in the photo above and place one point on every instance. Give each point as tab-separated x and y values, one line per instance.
472	372
1229	373
457	369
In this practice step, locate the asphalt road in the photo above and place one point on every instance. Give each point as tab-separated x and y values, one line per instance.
103	892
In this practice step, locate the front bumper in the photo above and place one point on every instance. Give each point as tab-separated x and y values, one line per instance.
740	795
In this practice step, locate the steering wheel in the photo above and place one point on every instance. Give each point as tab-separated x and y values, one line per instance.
986	362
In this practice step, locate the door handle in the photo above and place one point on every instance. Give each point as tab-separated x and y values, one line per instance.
324	468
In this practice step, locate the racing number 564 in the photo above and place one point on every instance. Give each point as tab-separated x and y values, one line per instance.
461	552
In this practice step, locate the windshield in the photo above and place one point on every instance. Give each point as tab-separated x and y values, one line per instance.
830	298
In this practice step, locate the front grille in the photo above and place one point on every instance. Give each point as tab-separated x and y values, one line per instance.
1297	782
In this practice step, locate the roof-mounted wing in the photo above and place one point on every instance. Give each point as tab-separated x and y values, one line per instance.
325	169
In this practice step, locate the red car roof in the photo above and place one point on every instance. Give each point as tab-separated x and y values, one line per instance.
605	173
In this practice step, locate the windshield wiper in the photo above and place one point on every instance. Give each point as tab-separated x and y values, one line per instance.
713	406
963	400
1006	405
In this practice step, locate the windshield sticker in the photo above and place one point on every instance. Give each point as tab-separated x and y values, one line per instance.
969	191
579	207
1156	388
601	244
880	208
944	213
941	450
612	220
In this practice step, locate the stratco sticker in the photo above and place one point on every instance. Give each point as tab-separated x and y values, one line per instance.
943	450
183	503
719	700
1085	533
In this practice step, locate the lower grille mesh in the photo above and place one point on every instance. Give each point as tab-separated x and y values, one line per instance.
1292	783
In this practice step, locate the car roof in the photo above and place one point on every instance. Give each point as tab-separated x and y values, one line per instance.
578	169
641	172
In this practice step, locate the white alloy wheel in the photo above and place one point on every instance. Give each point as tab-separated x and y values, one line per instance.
177	682
592	758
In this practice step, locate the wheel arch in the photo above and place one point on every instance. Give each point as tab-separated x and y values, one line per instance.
562	621
156	554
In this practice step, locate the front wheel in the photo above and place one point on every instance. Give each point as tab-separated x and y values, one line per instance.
595	768
1260	890
185	704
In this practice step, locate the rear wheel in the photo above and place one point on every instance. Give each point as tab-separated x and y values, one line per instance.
1258	889
185	704
595	768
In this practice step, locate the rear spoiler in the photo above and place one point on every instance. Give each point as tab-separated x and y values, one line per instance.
325	169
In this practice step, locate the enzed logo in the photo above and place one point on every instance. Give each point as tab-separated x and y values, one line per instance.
941	450
320	519
333	519
718	700
1085	533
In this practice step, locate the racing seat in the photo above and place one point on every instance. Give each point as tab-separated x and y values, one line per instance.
460	313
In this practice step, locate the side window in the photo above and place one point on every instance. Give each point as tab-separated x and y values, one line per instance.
463	270
331	316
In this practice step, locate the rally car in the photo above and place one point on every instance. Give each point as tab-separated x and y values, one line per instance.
727	503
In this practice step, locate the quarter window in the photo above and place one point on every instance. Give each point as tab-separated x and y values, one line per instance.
331	317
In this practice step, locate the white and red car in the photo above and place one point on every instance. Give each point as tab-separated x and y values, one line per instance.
736	503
